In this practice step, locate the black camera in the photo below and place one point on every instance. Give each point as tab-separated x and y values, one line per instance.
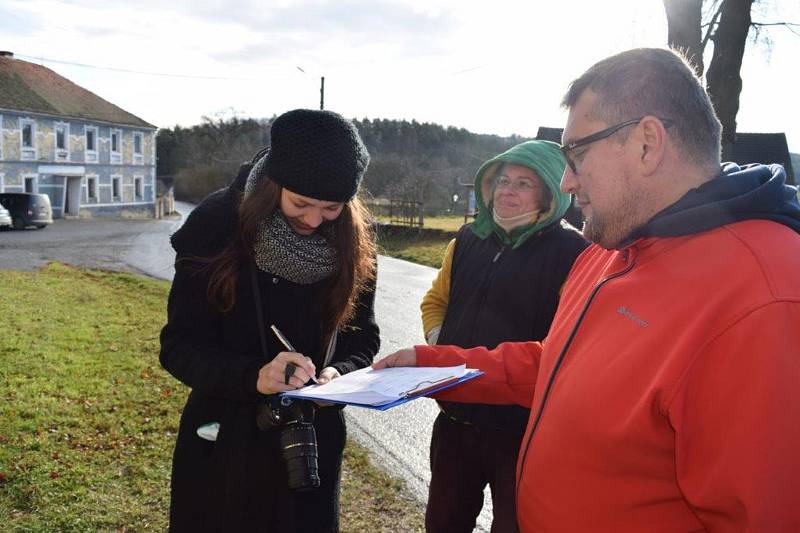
298	439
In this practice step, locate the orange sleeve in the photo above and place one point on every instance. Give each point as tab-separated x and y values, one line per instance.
510	371
736	417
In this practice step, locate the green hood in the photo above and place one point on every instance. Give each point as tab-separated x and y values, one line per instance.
544	158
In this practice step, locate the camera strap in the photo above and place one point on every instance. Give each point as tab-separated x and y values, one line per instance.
262	334
262	325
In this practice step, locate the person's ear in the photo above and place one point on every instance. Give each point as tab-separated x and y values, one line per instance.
653	143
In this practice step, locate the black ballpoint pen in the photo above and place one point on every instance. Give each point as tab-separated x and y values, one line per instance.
287	344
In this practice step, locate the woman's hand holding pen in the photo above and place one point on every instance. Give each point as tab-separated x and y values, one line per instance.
272	377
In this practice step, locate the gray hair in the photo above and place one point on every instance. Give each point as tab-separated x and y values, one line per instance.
659	82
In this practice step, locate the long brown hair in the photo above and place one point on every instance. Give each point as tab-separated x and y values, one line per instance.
354	243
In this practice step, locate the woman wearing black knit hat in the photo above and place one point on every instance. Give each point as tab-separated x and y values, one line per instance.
286	244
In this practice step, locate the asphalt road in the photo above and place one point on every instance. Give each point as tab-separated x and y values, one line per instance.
398	439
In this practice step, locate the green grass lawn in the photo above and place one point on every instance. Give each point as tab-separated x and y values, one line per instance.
422	249
88	418
425	246
445	223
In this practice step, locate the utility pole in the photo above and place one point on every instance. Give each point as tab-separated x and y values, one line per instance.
321	89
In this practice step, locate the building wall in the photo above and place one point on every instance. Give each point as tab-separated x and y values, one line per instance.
52	171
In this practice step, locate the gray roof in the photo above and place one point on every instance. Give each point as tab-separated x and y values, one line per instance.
29	87
763	148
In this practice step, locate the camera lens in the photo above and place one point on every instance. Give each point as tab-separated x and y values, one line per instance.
299	447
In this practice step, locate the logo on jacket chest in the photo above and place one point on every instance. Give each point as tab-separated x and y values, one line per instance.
630	315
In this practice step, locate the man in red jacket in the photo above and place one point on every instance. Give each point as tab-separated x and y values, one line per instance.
664	397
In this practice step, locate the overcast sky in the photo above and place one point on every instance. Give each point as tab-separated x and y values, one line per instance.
491	66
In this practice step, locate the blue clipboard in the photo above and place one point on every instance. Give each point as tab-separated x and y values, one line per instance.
424	388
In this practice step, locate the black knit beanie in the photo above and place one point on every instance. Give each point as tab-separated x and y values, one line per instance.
318	154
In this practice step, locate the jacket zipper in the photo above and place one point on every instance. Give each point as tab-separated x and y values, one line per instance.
487	286
560	360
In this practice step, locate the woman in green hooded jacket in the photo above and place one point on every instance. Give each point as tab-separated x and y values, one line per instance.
500	281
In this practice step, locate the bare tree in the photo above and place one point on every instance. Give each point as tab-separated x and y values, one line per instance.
684	31
727	24
722	79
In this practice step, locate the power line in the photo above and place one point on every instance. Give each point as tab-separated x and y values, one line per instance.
129	71
42	59
467	70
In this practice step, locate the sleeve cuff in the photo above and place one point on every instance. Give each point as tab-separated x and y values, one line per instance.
344	367
432	337
428	356
250	379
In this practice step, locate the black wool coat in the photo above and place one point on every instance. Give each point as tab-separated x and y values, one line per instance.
238	482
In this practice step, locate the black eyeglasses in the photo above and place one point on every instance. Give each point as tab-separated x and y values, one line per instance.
602	134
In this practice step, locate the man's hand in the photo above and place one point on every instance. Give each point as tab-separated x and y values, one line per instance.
272	376
404	357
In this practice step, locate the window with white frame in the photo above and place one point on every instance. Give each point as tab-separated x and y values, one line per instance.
138	155
27	129
91	144
1	145
62	141
116	188
116	147
2	182
138	191
91	189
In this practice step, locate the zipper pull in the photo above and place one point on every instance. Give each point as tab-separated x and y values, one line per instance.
628	254
496	257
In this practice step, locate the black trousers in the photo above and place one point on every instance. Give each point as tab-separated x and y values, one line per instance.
464	458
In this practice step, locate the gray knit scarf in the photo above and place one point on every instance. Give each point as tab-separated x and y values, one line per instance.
302	259
281	251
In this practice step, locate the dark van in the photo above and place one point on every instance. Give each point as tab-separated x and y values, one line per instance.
27	209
